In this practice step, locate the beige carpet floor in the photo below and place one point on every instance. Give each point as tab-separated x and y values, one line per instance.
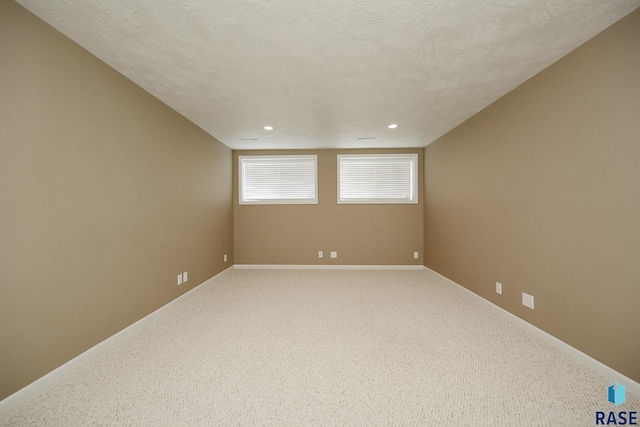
325	348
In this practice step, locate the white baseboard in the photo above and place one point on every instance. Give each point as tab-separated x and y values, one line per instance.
610	374
41	384
325	267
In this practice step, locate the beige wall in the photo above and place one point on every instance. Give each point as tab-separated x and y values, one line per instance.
541	191
361	234
106	194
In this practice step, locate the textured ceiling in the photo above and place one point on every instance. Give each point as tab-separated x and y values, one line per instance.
325	73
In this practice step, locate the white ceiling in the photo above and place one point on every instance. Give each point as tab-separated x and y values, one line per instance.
325	73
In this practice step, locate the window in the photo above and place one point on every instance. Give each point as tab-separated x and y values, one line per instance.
378	178
278	179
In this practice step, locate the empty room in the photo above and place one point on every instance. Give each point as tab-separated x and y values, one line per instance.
318	213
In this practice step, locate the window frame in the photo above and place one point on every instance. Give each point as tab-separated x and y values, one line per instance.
241	188
414	199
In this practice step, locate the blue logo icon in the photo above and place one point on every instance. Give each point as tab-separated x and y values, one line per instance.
616	394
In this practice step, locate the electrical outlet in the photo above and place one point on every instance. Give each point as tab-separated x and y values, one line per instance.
179	279
527	300
185	276
225	258
334	254
320	254
499	288
415	255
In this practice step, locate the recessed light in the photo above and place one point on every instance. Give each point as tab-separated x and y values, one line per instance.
268	128
393	126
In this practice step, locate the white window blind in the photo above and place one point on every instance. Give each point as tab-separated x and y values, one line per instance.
378	178
278	179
